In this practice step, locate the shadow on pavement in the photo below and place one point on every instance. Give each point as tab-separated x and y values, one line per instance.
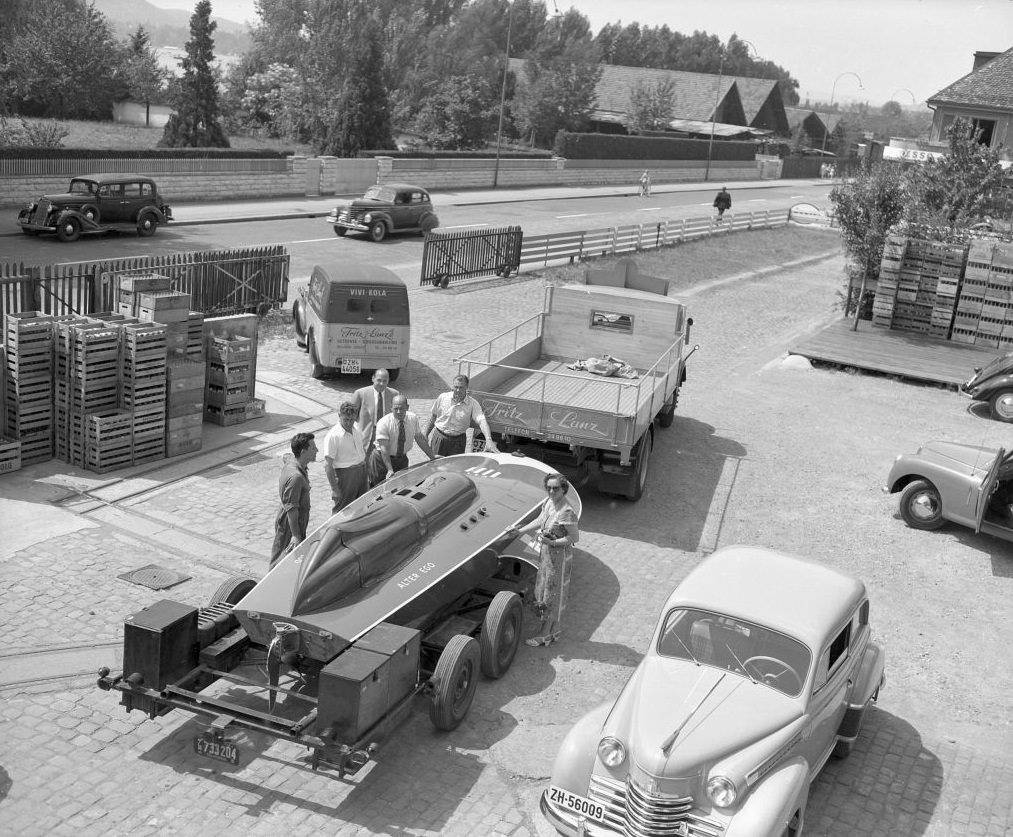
890	784
691	474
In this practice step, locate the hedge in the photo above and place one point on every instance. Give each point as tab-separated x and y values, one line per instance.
619	147
34	153
485	154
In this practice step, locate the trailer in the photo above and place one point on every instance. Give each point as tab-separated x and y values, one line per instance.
578	421
416	588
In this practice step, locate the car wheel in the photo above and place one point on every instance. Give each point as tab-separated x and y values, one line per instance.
501	633
317	369
921	506
232	590
147	224
90	211
340	231
454	682
794	826
428	224
1001	405
69	230
378	231
299	319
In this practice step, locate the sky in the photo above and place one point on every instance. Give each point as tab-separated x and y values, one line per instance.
853	50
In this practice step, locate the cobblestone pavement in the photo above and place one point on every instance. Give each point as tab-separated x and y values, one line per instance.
760	452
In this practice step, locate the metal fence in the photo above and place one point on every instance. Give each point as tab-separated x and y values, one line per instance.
465	253
219	282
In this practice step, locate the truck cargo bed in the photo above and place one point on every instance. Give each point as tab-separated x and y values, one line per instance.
578	389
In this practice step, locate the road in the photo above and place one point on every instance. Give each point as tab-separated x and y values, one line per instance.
311	241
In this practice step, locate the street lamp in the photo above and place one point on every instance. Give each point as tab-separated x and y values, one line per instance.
717	100
502	95
914	101
833	91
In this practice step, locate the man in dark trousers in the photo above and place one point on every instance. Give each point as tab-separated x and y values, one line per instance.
722	201
294	490
371	404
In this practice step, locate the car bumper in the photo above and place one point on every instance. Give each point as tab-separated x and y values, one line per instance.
570	824
25	225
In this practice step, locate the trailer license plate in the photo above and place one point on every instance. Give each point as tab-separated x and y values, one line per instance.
222	750
578	804
351	366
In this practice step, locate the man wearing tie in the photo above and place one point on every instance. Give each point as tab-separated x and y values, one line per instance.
396	434
373	403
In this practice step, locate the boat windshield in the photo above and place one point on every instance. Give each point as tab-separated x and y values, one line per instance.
763	655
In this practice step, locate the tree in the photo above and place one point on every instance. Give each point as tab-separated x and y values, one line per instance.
458	114
651	106
144	76
273	102
951	190
196	121
362	118
867	206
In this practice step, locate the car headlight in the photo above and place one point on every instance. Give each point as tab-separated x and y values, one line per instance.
611	751
721	791
367	217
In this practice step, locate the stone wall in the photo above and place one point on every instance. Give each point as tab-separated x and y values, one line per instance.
338	176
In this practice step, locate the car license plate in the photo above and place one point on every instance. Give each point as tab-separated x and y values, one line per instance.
351	366
220	750
578	804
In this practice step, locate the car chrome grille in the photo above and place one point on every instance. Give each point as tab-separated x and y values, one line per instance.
41	212
349	216
632	812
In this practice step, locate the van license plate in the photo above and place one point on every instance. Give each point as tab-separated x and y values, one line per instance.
351	366
220	750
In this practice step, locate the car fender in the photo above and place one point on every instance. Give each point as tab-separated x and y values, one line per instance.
986	389
154	210
579	751
772	803
379	215
870	675
85	222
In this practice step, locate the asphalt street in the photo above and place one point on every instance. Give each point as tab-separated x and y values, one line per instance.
763	450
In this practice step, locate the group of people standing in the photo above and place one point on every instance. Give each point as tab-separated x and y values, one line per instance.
371	441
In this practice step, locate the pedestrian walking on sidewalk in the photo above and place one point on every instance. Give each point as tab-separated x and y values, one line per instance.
294	490
345	459
396	434
645	184
722	201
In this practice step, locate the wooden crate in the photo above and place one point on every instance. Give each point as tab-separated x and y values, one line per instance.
225	415
10	455
228	374
36	447
227	396
255	408
225	350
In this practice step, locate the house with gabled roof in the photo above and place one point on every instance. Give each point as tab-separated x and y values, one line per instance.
984	96
818	125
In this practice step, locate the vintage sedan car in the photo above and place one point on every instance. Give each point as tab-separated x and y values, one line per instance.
98	203
761	667
386	209
993	384
946	481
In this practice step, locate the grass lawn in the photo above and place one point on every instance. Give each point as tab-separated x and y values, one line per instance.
115	135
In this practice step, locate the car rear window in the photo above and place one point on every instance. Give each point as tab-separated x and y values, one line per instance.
368	305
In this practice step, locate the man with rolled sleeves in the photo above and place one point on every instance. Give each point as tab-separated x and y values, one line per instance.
396	434
371	404
294	490
345	458
453	413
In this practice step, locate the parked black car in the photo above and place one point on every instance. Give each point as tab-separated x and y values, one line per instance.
994	383
390	208
97	203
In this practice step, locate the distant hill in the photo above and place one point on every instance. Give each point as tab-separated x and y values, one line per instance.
170	27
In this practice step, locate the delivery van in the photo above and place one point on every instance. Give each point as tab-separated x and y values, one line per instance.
352	319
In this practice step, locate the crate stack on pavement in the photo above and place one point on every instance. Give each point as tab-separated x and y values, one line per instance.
917	286
228	398
28	429
985	307
150	298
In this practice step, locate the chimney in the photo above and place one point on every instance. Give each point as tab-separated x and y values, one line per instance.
982	58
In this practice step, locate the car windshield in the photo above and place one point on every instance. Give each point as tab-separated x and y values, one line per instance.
747	649
379	193
82	187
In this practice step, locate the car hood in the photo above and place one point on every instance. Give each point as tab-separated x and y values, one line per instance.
68	199
957	457
705	713
367	203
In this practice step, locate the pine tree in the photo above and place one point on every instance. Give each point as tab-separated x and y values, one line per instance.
196	121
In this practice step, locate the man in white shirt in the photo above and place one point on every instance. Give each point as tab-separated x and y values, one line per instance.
396	434
345	458
453	413
371	404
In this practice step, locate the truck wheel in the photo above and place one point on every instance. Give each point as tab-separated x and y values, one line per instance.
501	633
640	472
340	231
317	369
456	677
667	414
147	224
378	231
68	230
90	211
299	320
232	590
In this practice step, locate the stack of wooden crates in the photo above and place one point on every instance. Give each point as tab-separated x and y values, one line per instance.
27	390
231	370
918	284
985	308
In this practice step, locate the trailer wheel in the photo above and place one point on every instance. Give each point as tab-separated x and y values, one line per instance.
232	590
501	633
456	677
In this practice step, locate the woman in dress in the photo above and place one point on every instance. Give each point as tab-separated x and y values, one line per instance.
557	533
